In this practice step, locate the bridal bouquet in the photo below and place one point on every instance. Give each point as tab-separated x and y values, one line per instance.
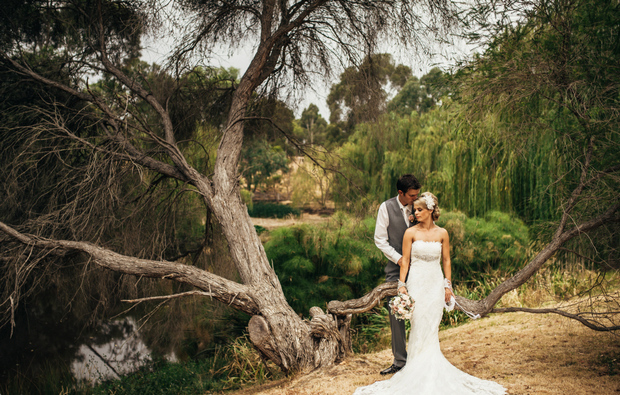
402	306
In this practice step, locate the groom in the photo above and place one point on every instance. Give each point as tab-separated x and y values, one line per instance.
392	222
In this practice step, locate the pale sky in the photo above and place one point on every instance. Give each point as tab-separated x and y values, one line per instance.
157	50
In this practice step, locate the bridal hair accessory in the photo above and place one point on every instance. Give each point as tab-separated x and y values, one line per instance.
430	203
402	306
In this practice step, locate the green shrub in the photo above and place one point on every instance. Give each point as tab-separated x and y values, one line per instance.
497	241
337	260
272	210
246	197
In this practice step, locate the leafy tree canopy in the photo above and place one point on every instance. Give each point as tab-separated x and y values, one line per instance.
261	161
313	125
420	95
362	92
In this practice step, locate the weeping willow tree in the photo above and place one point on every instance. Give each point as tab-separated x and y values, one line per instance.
554	82
463	163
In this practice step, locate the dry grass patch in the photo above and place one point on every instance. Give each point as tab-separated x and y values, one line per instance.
527	353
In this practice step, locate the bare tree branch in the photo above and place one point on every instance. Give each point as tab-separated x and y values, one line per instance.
135	154
226	291
168	297
142	93
535	264
570	204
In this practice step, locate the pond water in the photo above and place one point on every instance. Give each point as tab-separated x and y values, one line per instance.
115	350
42	347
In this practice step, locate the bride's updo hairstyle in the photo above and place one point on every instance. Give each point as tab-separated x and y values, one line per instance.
425	199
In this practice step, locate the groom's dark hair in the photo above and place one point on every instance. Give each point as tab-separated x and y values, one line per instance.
407	182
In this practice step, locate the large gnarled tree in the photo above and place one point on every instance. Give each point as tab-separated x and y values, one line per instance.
291	39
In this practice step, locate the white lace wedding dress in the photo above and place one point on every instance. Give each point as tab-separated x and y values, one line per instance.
427	371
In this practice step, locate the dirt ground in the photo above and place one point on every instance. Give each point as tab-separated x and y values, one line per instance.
526	353
273	223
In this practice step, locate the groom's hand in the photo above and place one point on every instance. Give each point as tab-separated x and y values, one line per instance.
400	261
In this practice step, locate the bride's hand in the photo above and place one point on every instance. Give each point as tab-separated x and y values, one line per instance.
403	290
449	294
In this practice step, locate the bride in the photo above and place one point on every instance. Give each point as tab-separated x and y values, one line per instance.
427	371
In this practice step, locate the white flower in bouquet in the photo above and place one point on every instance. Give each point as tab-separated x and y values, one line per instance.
402	306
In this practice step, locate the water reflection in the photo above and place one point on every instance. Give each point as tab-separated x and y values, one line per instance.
115	350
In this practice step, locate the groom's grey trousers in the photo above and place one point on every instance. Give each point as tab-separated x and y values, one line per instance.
399	344
396	230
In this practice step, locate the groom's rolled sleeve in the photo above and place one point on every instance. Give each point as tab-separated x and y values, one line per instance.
381	235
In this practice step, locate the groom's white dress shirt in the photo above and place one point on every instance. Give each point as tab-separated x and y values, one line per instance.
381	233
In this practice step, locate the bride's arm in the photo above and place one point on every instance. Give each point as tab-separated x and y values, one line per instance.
404	266
447	264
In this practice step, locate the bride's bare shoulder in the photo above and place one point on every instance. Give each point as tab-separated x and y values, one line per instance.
411	231
443	233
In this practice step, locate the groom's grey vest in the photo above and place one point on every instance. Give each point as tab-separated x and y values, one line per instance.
396	230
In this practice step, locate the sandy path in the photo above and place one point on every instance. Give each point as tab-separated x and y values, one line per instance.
527	353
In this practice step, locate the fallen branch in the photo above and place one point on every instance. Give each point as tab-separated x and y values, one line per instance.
366	302
590	324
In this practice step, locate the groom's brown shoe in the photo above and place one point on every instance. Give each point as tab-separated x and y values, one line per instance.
392	369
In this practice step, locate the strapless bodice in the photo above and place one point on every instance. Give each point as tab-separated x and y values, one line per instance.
428	251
